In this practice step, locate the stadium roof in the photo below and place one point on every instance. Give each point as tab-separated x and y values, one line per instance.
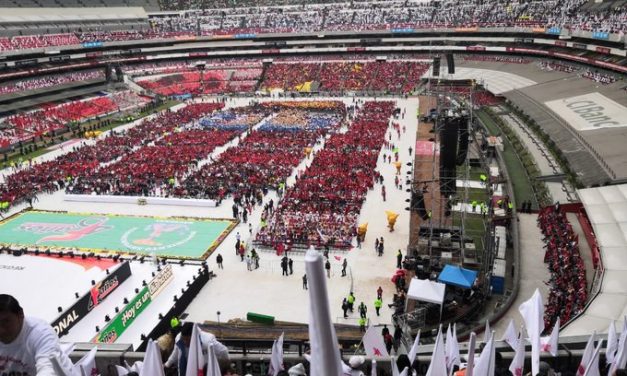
607	210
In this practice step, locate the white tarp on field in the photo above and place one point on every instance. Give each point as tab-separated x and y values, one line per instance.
589	112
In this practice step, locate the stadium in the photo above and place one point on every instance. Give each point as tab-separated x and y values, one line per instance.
325	187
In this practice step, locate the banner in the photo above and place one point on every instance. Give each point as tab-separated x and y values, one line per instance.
554	30
92	44
135	307
590	111
87	302
600	35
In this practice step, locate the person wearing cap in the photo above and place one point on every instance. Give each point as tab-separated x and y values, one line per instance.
27	343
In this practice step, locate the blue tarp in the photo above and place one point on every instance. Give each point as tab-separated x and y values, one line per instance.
457	276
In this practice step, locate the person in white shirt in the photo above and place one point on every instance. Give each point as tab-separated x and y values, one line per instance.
179	355
27	343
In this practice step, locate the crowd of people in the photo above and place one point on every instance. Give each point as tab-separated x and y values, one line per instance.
67	170
600	77
558	66
49	81
50	117
213	81
498	59
323	206
266	157
353	15
385	76
568	287
156	162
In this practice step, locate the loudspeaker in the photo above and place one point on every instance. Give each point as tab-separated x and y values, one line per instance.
436	66
462	148
447	181
449	135
450	61
418	204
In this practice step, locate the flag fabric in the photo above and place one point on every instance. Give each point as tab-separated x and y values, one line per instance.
518	363
612	343
122	371
414	349
213	367
153	364
276	360
550	343
452	348
487	332
325	355
485	363
592	369
620	359
373	371
373	343
470	365
195	357
405	372
394	366
510	336
587	355
532	312
86	366
437	367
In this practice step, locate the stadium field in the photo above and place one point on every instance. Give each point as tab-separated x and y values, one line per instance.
189	238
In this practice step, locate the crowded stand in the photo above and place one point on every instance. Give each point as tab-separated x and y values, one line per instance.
323	206
50	81
48	118
568	287
596	76
68	169
213	81
388	76
150	169
558	66
348	16
267	156
497	59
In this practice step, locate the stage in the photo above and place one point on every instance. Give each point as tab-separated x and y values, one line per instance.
188	238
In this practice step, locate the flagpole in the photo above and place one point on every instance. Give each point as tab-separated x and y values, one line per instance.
471	354
324	346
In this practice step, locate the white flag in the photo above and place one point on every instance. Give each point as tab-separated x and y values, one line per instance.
485	363
532	312
550	343
86	365
373	343
592	369
487	332
518	363
452	348
195	358
414	349
153	364
437	367
510	335
621	353
325	354
276	360
213	367
405	372
587	355
470	365
612	343
122	371
394	366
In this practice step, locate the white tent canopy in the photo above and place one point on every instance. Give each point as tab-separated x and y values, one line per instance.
426	291
607	210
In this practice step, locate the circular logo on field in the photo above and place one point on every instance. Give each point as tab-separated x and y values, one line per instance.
157	236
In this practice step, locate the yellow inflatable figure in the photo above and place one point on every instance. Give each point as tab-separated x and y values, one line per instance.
392	216
398	166
361	231
308	151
